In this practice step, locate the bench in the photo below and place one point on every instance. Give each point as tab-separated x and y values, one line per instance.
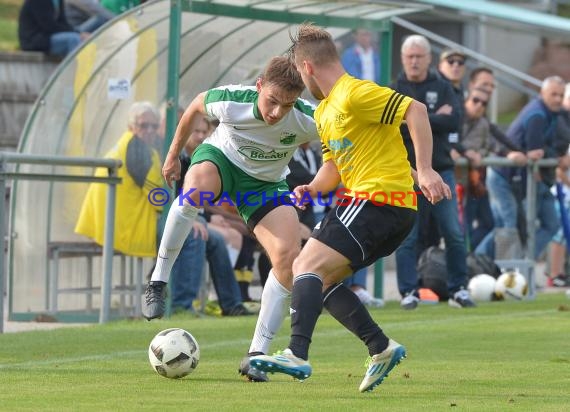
132	287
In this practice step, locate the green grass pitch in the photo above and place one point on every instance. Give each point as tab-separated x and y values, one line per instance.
501	356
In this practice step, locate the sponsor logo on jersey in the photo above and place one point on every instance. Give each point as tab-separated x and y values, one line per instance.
287	137
339	144
339	120
255	153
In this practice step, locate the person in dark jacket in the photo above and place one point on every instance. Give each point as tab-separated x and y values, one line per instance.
534	131
43	27
87	15
418	82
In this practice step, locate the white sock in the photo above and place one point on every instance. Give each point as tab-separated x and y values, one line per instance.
234	253
274	301
177	228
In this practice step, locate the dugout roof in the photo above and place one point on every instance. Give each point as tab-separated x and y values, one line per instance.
148	53
502	14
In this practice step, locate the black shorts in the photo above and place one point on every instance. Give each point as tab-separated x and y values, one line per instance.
364	232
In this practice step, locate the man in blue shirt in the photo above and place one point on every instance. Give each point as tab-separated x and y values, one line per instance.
534	132
362	60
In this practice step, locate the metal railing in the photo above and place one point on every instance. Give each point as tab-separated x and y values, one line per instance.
531	169
112	180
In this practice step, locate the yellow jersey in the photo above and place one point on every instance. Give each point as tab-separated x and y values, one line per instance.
359	125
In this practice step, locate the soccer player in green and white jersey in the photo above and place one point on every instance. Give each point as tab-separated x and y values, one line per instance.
244	160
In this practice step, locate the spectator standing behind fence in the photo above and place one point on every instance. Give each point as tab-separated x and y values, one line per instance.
483	78
361	59
508	227
534	131
418	82
43	27
135	217
452	68
476	136
558	247
86	15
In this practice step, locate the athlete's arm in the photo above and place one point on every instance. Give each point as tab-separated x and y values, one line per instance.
415	176
429	180
326	180
188	121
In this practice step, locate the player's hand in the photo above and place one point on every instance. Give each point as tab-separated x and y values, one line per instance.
302	195
432	186
171	170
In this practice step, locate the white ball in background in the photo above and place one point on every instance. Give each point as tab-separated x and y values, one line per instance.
482	287
511	285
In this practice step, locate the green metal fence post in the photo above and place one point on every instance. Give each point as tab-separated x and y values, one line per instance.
173	81
379	279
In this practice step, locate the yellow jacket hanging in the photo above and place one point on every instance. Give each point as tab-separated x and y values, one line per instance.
135	217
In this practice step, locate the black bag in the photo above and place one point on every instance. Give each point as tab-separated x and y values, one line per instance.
432	271
477	264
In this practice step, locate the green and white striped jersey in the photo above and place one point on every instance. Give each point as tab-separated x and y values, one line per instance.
260	150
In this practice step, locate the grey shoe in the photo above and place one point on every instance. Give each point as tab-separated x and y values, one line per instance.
155	305
252	374
410	301
461	299
367	299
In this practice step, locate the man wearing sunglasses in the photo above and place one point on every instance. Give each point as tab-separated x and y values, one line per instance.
476	137
424	85
451	67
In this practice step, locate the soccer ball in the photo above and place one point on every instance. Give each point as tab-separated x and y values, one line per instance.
511	285
482	287
174	353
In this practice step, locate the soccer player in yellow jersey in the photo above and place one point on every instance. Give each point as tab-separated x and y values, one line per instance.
358	122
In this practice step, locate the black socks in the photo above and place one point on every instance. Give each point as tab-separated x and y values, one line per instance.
345	307
306	306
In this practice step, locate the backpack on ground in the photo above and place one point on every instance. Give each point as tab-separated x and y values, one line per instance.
432	271
478	264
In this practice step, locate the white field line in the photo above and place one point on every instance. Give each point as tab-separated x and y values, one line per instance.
391	325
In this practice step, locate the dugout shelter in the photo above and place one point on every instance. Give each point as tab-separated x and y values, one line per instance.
164	51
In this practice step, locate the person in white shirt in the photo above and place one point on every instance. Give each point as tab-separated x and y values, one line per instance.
362	60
